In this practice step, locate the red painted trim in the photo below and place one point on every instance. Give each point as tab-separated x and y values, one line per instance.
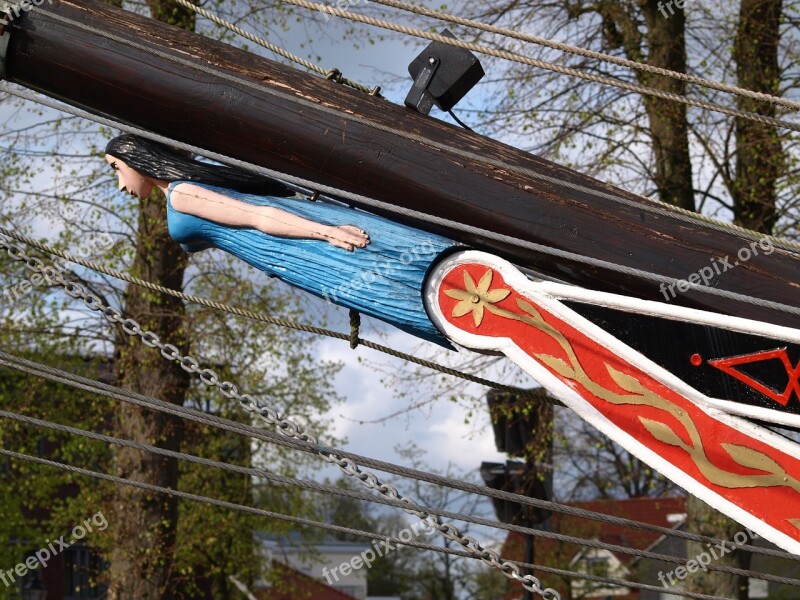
778	505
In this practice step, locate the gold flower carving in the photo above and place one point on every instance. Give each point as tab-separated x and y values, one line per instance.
476	298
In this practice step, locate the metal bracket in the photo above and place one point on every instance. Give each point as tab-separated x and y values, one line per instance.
419	98
5	36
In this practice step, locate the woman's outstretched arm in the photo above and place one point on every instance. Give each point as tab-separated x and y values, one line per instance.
212	206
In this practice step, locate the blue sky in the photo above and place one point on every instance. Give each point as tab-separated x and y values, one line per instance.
441	428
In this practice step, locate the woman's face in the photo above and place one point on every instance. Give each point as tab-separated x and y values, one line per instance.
129	180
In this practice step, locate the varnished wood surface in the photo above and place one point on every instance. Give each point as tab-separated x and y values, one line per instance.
298	138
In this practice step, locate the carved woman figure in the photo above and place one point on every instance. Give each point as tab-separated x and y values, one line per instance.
716	448
349	257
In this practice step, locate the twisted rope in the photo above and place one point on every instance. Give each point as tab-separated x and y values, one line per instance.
355	324
586	53
525	60
276	49
256	316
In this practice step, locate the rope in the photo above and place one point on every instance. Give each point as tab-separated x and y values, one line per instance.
331	527
602	264
329	489
652	205
585	52
286	323
525	60
109	391
287	427
273	48
355	324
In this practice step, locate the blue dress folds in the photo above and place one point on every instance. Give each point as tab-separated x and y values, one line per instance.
383	280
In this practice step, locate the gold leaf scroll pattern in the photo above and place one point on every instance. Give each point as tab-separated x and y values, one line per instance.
479	298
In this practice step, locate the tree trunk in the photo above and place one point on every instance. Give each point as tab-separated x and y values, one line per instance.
664	37
759	156
759	160
144	524
668	124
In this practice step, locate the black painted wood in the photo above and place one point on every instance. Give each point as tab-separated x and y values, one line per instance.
672	344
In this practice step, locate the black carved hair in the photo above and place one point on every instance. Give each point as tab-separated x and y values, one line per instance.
161	162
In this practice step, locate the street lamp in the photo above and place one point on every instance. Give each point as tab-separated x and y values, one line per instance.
33	589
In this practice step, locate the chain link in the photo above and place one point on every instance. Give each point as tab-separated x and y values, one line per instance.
286	427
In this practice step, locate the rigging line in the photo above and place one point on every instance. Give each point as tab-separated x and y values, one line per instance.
357	495
603	264
653	205
525	60
337	528
287	427
109	391
273	48
286	323
587	53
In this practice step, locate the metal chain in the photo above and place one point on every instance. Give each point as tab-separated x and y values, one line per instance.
286	427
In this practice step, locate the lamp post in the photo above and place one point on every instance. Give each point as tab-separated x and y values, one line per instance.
33	588
521	428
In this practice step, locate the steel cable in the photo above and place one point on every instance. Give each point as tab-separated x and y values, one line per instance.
603	264
329	489
330	527
651	205
103	389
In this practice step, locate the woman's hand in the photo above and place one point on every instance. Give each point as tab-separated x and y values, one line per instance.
348	237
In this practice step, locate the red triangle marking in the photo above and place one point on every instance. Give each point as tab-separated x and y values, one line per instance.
727	365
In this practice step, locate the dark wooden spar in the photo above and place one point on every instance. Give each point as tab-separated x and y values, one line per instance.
306	127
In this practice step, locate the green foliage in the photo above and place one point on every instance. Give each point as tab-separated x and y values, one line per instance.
57	187
40	503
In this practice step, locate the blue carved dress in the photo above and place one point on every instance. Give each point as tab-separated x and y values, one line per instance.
383	280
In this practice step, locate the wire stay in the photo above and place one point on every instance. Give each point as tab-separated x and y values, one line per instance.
336	528
603	264
94	387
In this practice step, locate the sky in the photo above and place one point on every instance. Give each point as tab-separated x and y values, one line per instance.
441	429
